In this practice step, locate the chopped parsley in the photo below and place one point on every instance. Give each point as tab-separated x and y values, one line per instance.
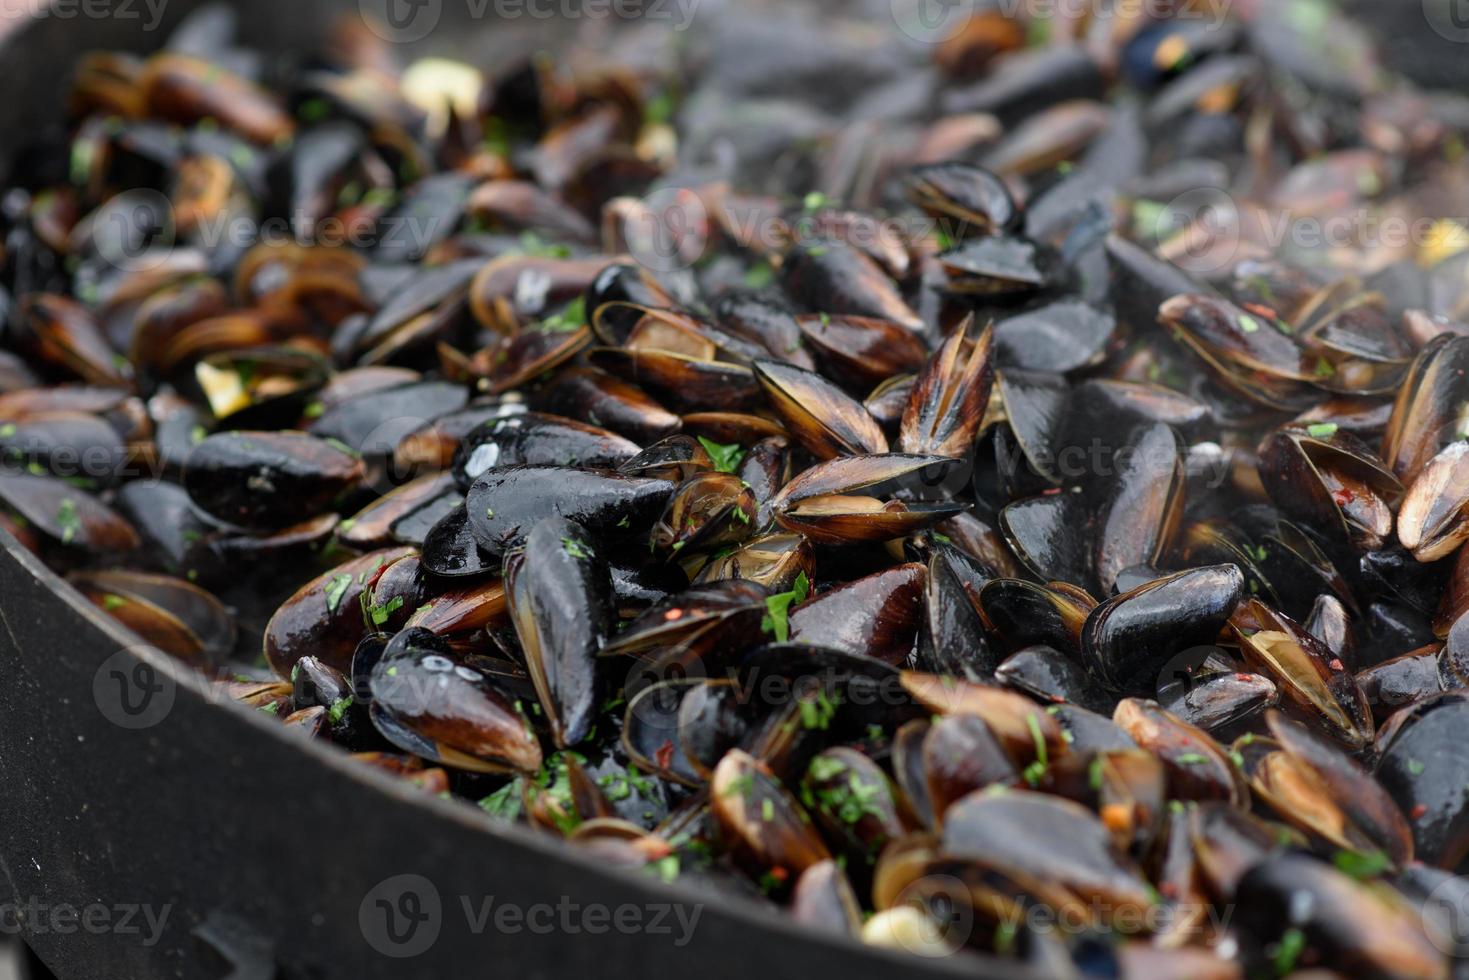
726	458
778	609
336	589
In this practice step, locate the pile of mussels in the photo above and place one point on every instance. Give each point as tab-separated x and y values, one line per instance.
886	502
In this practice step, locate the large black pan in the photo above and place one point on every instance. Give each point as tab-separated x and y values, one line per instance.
260	852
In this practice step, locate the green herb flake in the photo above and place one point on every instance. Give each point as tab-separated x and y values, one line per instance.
814	201
759	276
1036	771
1192	759
1288	950
339	708
665	868
68	520
726	457
767	810
1249	324
1415	767
336	589
1322	430
381	614
503	803
579	550
1362	865
7	430
111	602
778	608
571	317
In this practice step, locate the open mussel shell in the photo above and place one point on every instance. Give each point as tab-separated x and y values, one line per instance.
503	505
172	614
559	593
947	403
1313	682
373	526
1429	410
707	511
766	827
684	382
616	297
1026	730
973	200
702	618
268	479
773	561
1023	614
1358	928
1329	479
1045	839
1129	638
1422	768
676	458
817	414
861	352
839	502
427	702
1433	519
1313	785
652	731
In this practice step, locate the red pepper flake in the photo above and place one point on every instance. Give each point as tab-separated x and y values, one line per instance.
1335	664
1243	677
1050	491
664	755
779	873
1343	497
1418	811
673	615
1168	889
